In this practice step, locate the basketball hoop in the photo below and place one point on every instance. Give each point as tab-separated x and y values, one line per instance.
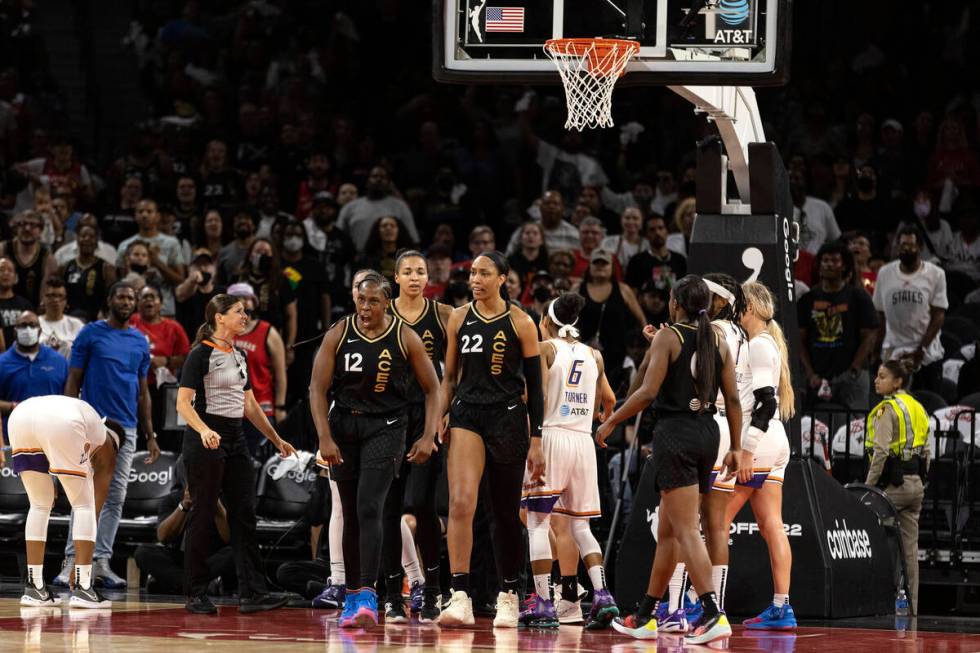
589	69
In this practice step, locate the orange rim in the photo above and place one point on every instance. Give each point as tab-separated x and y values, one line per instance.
597	51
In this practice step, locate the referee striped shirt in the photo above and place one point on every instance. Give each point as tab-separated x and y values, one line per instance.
219	378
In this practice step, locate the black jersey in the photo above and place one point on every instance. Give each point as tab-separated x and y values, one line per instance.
490	358
430	329
370	374
678	393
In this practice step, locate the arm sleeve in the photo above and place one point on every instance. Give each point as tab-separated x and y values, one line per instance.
535	394
764	363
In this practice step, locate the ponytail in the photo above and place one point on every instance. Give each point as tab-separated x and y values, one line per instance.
204	332
707	365
693	296
787	398
759	297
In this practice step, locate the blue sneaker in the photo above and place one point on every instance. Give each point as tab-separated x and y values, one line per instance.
417	597
694	611
603	611
366	615
351	604
676	622
663	610
331	598
773	618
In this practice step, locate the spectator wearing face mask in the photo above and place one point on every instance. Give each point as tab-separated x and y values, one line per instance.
232	255
197	290
165	254
29	369
937	235
911	301
307	278
275	299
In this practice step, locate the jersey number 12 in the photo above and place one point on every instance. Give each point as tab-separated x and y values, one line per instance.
352	362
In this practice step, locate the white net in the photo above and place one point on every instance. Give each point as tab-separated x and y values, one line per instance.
589	69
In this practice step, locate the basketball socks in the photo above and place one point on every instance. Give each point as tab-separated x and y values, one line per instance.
709	601
83	576
460	583
719	578
647	606
432	576
542	585
779	600
337	574
598	577
414	573
676	587
35	576
569	588
512	585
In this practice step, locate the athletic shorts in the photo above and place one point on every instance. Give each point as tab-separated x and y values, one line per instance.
420	480
724	442
684	452
502	426
48	446
771	457
366	442
571	483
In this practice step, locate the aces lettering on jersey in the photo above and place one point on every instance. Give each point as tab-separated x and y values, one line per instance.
499	346
384	371
429	341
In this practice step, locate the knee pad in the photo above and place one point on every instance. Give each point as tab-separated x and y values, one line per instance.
36	526
584	539
83	524
81	495
538	535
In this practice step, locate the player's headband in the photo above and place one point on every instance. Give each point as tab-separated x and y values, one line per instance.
721	291
563	329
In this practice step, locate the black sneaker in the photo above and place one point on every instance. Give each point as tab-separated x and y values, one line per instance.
89	599
261	603
430	608
395	612
201	605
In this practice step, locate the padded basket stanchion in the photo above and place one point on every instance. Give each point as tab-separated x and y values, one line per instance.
589	69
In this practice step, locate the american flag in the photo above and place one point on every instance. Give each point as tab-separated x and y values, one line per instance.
505	19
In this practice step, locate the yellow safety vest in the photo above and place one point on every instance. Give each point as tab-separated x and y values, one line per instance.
911	417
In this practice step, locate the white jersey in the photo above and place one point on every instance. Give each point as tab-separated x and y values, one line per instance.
570	387
738	347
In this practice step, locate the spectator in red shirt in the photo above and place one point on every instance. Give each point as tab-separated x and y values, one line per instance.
318	166
590	234
168	346
439	258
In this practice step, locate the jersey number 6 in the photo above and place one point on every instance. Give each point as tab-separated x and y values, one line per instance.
574	374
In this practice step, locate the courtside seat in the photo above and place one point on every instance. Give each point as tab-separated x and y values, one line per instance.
148	486
282	503
13	505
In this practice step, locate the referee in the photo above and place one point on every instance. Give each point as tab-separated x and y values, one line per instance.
215	379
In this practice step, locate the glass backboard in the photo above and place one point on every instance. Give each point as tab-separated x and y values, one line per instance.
689	42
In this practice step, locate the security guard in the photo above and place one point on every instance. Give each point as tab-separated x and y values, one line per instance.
897	431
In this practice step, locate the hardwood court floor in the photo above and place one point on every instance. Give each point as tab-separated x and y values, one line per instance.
151	627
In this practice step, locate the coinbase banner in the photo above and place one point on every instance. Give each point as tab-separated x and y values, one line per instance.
842	564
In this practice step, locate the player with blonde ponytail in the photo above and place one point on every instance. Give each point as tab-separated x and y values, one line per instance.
765	448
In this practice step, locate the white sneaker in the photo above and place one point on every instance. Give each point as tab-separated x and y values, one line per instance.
569	612
458	612
508	610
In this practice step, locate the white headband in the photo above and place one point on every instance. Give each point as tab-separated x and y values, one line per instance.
721	291
563	329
